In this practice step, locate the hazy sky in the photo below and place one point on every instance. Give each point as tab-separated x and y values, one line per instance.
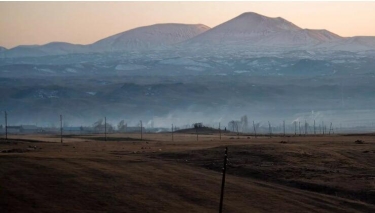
87	22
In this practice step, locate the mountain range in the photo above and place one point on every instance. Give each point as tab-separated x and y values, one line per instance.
248	31
267	68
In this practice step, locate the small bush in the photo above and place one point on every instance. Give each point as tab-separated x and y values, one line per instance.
359	142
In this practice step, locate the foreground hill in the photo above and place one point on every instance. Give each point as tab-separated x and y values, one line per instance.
303	174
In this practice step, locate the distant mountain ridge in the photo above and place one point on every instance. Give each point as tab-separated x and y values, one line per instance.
149	37
248	31
53	48
252	29
141	38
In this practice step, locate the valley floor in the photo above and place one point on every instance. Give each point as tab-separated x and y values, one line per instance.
125	174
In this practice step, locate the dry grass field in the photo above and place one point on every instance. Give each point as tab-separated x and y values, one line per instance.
125	174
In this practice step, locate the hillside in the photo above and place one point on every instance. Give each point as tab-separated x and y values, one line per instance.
254	30
149	37
248	32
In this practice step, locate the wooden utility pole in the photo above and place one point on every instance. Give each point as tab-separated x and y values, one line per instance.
255	132
305	128
105	128
295	128
299	127
141	131
314	128
223	180
196	131
6	125
172	132
238	134
284	127
330	129
61	130
220	130
269	128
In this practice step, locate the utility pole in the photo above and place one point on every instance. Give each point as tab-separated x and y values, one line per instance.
196	131
255	132
330	129
295	128
238	134
305	128
220	130
172	132
314	128
105	128
141	131
299	127
284	127
61	130
223	180
269	127
6	125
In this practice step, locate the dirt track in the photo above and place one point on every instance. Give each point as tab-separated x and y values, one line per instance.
302	174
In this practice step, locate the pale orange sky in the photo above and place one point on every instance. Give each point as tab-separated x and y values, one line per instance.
87	22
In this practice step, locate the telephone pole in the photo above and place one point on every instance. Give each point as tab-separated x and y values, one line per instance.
284	127
196	131
330	129
269	128
314	128
223	180
238	134
141	131
255	132
220	130
61	130
105	128
6	125
172	132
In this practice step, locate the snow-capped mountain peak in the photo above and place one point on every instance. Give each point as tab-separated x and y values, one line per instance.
253	22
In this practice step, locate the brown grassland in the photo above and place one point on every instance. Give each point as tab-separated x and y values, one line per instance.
279	174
